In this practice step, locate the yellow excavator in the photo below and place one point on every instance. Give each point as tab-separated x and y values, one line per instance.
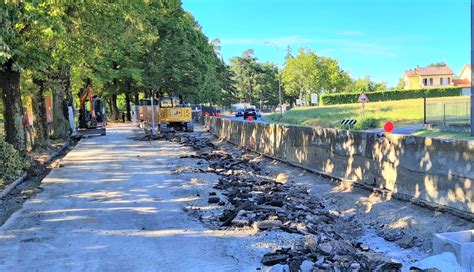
175	115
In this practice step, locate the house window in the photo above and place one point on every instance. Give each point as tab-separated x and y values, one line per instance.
425	82
441	81
431	81
449	81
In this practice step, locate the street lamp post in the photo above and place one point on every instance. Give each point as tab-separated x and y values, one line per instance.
279	81
472	63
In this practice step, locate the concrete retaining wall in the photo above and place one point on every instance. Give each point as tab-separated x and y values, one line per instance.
434	171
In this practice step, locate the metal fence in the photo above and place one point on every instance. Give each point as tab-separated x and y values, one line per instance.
448	111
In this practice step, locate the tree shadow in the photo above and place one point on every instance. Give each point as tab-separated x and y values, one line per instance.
429	172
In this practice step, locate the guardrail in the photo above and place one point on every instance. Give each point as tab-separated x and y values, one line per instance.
447	111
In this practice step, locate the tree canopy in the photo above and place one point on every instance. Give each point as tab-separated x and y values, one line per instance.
254	82
308	73
121	48
134	49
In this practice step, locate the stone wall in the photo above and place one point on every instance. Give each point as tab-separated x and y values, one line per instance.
417	168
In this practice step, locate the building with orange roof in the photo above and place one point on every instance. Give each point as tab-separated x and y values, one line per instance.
428	77
464	80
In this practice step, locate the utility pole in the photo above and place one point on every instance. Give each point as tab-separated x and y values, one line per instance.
472	63
152	112
279	80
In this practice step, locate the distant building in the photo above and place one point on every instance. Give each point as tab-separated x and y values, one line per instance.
464	80
435	77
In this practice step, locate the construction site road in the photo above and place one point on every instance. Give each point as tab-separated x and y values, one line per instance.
191	202
110	207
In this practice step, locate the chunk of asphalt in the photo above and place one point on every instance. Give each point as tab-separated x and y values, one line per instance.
213	200
273	259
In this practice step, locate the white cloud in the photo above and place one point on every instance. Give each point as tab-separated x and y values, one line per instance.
368	48
280	41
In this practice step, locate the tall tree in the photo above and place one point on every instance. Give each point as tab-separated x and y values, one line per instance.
39	110
301	75
365	84
22	24
308	73
254	82
119	48
245	70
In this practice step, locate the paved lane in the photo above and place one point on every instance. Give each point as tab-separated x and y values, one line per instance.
113	206
233	118
403	130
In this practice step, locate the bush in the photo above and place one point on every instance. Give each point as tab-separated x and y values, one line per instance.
367	123
11	163
347	98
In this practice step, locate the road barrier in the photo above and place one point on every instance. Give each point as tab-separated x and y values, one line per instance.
349	122
430	172
448	111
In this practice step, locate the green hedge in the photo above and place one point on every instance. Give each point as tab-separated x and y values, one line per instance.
347	98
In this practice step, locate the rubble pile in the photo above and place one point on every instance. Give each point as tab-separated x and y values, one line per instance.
255	200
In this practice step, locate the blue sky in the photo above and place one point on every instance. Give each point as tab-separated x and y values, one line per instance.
378	38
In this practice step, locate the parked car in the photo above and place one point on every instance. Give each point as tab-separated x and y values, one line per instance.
259	114
239	112
250	112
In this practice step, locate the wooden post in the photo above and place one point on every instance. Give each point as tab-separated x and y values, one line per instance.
424	109
363	109
444	114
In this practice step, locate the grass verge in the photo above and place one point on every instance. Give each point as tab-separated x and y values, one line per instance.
400	112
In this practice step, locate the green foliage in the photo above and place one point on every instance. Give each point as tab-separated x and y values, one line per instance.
11	163
25	28
309	73
119	47
254	81
367	123
438	64
182	62
401	113
365	84
347	98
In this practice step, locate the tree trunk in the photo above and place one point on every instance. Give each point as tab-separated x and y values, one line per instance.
137	98
114	109
129	113
60	102
67	86
40	125
12	107
67	67
59	121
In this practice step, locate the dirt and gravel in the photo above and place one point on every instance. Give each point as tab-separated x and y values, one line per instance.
334	226
42	163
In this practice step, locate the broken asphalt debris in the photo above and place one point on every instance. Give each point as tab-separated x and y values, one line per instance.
252	199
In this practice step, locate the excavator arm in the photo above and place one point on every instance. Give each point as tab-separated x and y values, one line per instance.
88	95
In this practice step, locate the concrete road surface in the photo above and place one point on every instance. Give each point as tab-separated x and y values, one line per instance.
232	117
111	207
403	130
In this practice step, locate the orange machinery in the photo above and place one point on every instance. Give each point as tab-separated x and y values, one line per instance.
92	120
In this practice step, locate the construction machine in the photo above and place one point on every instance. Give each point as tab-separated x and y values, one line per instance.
175	115
93	120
